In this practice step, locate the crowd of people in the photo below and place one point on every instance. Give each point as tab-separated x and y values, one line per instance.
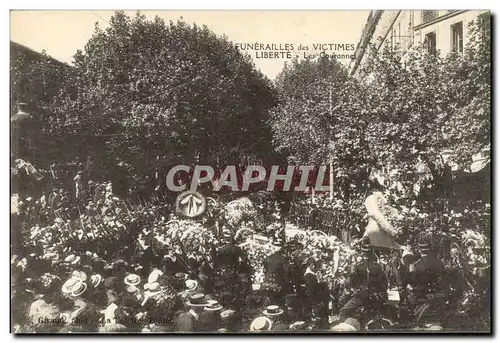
213	289
157	290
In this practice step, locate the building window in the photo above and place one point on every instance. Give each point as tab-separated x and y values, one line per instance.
457	37
429	15
430	43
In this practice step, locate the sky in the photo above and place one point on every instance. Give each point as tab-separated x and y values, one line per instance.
62	33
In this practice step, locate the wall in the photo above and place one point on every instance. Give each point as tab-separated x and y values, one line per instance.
405	28
442	28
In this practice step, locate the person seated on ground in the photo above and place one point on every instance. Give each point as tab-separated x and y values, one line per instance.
370	285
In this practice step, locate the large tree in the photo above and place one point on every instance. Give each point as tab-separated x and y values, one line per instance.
427	110
150	89
320	117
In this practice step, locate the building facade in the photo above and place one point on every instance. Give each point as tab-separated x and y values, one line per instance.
439	30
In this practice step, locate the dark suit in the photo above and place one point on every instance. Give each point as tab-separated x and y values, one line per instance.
186	322
370	282
230	255
426	279
426	276
209	321
171	267
316	297
277	278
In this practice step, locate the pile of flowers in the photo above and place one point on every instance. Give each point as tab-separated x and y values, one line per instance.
192	236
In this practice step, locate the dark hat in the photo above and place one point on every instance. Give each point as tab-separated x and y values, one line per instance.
119	264
213	305
293	301
273	310
87	269
129	301
197	300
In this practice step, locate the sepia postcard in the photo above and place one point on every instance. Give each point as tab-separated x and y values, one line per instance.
250	172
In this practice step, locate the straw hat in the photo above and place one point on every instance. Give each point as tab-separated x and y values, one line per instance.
227	314
196	300
272	310
261	324
349	325
132	280
95	280
71	285
191	285
213	305
80	290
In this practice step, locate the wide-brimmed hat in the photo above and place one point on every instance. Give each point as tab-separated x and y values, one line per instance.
213	305
227	314
154	275
71	285
353	322
272	310
132	279
349	325
95	280
82	287
261	324
196	300
191	285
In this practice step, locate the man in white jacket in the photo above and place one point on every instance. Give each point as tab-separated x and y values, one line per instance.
379	230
